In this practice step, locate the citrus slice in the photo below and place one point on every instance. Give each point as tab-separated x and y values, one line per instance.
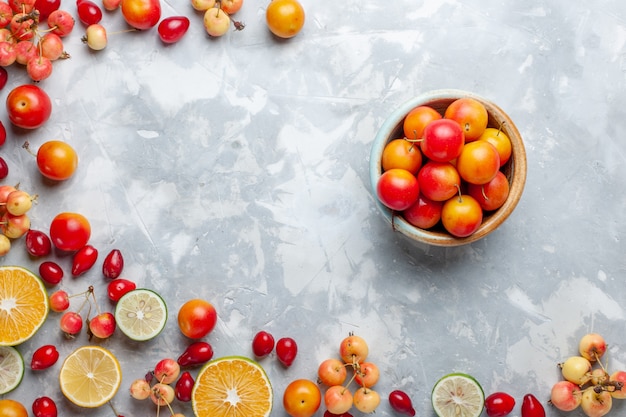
23	305
11	369
141	314
90	376
232	386
458	395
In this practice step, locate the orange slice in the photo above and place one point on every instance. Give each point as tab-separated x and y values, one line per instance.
232	386
23	305
90	376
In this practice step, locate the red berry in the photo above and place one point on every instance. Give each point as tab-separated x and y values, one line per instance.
401	402
113	264
44	407
499	404
196	353
4	168
118	287
38	243
50	272
44	357
89	13
173	28
184	386
262	344
286	350
531	407
3	130
84	259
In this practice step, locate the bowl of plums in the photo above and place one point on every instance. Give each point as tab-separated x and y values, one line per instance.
447	168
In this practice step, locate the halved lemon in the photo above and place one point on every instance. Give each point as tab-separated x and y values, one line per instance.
23	305
458	395
141	314
232	386
11	369
90	376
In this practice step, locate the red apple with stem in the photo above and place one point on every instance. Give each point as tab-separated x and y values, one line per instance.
443	140
592	346
492	195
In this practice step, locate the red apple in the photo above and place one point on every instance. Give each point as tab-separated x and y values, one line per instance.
397	189
141	14
424	213
439	181
102	325
461	216
592	346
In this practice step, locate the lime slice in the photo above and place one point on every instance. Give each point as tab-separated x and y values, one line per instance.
11	369
141	314
458	395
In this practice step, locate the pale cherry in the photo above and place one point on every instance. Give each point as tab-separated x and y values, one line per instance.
367	374
167	370
95	37
338	399
353	349
52	47
5	245
162	394
331	372
19	202
111	5
619	377
202	5
8	54
140	389
576	369
592	346
596	403
216	22
565	395
366	400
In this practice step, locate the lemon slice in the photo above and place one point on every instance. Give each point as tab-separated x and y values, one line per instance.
458	395
90	376
23	305
11	369
141	314
232	386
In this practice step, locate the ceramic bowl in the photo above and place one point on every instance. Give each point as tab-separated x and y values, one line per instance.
514	169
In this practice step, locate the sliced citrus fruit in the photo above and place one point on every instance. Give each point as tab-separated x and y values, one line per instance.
11	369
141	314
90	376
23	305
232	386
458	395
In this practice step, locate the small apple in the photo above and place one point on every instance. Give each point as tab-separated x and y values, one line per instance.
231	6
470	114
111	5
565	395
500	141
439	181
461	216
397	189
338	399
619	379
216	22
443	140
167	370
331	372
424	213
102	325
492	195
202	5
596	404
95	37
479	162
592	346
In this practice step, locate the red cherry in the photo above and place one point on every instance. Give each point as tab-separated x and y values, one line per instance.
118	287
38	243
84	259
89	13
286	350
401	403
113	264
50	272
531	407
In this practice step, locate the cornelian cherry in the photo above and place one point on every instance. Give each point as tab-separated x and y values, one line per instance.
262	344
173	28
286	350
44	357
196	353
